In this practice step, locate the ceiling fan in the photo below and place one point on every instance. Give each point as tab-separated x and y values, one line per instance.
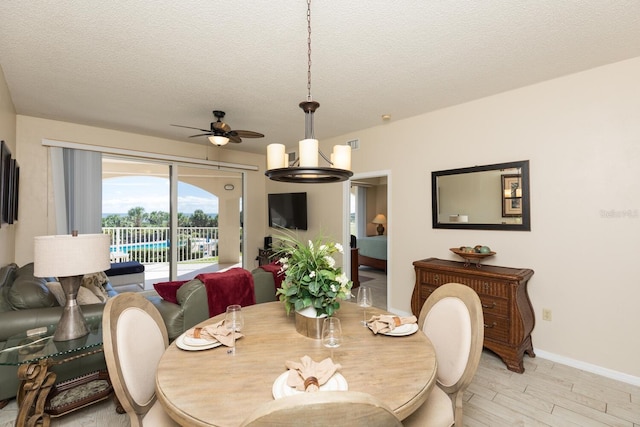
221	133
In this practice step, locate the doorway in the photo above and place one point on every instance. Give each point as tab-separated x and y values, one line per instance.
366	198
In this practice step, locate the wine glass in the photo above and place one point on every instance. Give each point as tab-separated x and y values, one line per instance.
365	299
331	333
234	321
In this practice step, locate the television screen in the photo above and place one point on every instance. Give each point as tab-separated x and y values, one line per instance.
288	210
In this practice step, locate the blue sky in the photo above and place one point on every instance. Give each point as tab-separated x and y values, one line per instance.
152	193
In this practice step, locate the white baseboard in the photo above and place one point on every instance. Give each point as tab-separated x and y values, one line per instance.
599	370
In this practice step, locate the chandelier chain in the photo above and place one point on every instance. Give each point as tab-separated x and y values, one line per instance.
309	98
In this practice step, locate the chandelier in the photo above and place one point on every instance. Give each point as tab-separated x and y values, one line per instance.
305	168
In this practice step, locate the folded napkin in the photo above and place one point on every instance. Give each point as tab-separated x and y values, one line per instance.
308	375
215	332
386	323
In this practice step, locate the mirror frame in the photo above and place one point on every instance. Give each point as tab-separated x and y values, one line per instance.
526	198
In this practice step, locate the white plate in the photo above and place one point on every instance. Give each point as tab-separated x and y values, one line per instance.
403	330
180	342
196	342
281	389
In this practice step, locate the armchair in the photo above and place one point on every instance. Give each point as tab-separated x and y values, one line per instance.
191	305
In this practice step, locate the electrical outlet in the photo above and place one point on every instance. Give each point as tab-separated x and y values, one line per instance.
546	314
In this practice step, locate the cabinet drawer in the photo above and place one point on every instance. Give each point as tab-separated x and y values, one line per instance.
425	291
494	306
496	288
496	328
490	305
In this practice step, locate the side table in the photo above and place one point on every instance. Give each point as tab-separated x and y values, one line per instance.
39	397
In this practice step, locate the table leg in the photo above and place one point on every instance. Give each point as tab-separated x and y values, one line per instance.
35	384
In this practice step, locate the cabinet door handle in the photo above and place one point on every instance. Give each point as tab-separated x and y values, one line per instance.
490	326
493	305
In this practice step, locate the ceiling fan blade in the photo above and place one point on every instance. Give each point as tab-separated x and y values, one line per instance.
189	127
201	134
234	138
248	134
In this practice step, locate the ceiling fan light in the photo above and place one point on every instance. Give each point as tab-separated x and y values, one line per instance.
218	140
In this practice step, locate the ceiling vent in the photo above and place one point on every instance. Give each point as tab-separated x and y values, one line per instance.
354	144
292	157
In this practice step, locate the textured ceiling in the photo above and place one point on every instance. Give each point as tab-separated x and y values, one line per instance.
140	66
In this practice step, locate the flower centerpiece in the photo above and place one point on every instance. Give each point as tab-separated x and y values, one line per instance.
311	277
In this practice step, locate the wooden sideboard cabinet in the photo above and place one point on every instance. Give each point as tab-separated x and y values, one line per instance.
508	314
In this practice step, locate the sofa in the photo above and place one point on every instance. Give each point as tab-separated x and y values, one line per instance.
191	307
26	302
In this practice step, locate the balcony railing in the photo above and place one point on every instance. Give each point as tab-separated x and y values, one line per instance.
150	245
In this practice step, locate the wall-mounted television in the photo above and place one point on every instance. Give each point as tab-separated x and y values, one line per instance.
288	210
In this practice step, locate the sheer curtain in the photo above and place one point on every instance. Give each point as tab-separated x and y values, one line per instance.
77	183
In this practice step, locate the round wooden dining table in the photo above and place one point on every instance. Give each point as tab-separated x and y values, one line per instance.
214	388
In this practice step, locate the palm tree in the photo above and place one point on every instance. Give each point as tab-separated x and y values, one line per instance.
137	216
159	219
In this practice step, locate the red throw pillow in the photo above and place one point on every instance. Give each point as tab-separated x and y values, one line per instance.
169	290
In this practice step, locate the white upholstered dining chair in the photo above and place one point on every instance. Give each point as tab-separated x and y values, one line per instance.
135	337
325	408
452	319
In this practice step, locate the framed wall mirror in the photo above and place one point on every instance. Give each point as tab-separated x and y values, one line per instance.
489	197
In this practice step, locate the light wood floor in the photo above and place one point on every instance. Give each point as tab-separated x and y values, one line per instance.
377	281
547	394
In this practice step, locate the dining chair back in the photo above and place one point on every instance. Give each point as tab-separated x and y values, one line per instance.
134	339
321	409
452	319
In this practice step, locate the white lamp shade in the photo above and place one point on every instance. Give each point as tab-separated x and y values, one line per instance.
66	255
341	157
276	156
379	219
308	153
218	140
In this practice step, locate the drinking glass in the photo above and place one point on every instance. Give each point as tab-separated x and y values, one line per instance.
331	333
365	299
234	321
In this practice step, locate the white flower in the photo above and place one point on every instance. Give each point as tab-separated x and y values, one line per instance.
322	248
312	274
330	261
339	248
310	245
333	288
342	279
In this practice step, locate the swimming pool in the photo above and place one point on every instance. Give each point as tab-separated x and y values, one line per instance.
133	246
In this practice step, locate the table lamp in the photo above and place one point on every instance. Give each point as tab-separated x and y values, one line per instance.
69	257
379	219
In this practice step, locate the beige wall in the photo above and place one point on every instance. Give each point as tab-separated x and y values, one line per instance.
8	135
581	134
36	202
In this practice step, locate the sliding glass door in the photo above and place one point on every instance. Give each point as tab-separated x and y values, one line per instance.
177	220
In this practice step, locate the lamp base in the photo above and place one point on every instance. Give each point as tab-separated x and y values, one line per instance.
72	324
380	229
